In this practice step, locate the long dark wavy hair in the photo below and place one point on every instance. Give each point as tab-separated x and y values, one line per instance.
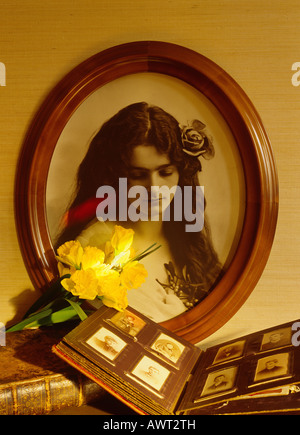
107	160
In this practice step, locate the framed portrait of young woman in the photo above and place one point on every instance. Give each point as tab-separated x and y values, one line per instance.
157	138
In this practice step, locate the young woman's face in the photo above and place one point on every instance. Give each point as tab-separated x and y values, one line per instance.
152	170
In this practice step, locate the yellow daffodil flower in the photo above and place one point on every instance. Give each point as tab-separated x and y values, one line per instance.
133	275
63	270
122	239
92	257
116	298
105	274
83	283
70	253
88	273
111	291
120	303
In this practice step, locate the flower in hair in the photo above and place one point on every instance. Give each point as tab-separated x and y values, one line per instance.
194	141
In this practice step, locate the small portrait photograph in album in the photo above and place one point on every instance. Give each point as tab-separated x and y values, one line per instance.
168	347
107	343
150	372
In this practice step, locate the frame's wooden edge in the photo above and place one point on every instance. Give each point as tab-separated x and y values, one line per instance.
259	166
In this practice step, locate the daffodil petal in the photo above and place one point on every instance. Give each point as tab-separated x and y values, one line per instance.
83	283
121	239
71	253
116	299
62	269
133	275
92	257
121	258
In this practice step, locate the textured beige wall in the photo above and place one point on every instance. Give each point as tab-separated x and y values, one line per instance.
256	42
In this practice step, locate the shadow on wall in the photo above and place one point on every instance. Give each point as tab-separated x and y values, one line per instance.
21	303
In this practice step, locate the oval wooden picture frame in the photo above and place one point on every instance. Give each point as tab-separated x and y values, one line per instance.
261	184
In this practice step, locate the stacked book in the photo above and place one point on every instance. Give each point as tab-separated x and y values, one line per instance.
34	381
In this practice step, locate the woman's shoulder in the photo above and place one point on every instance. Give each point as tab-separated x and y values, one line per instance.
97	233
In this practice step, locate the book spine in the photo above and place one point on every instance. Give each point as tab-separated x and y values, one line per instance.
47	394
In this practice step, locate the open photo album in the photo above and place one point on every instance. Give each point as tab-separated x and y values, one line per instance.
155	372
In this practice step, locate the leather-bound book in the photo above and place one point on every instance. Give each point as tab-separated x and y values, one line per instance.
34	381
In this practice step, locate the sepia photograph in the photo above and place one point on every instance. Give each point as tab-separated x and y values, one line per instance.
150	372
273	366
106	343
128	322
150	132
168	347
230	351
221	381
276	338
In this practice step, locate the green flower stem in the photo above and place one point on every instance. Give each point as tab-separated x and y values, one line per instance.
145	253
31	319
60	316
77	308
49	315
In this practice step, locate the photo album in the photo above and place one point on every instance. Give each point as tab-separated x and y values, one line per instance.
156	372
